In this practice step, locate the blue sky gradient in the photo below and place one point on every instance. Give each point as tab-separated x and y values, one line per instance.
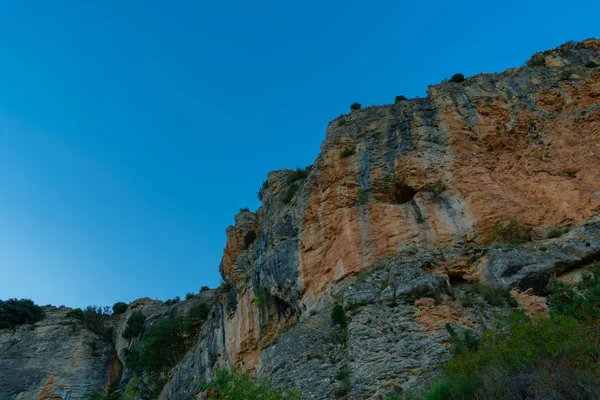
131	132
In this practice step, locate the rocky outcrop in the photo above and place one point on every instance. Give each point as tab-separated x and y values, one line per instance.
395	216
55	358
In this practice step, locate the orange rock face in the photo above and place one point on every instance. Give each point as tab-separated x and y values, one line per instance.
443	170
423	173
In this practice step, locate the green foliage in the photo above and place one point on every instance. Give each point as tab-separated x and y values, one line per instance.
343	378
437	188
14	312
292	185
196	317
289	193
245	209
224	287
554	233
135	325
462	342
400	98
203	288
189	295
355	106
249	238
538	60
237	385
566	74
173	301
94	319
341	121
263	296
591	64
119	307
509	233
583	304
297	175
549	358
492	295
457	78
338	315
348	151
263	188
164	345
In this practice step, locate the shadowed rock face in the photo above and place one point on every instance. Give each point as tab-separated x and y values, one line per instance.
52	359
393	217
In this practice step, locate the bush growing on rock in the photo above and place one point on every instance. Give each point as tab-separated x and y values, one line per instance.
164	345
591	64
262	190
173	301
135	325
509	233
523	358
93	318
355	106
119	308
348	151
492	295
338	315
538	60
554	233
400	98
15	312
237	385
583	303
457	78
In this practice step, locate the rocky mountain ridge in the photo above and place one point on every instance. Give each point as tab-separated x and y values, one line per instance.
404	205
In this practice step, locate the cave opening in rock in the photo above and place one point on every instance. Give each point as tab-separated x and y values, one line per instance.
402	193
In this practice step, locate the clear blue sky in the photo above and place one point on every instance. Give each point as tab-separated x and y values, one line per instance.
131	132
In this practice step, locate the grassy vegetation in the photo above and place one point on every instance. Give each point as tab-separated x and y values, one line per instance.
554	233
492	295
15	312
530	358
237	385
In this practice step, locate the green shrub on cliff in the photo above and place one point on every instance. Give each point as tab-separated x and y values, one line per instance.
537	358
135	325
237	385
119	308
338	315
457	78
94	319
15	312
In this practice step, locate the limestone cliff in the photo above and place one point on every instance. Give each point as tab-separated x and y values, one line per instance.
396	213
